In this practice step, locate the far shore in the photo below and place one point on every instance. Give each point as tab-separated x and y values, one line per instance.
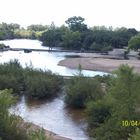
99	64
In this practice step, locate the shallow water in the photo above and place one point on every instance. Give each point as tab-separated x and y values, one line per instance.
54	116
43	60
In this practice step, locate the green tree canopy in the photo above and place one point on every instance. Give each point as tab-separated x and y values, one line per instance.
37	27
76	23
134	42
71	39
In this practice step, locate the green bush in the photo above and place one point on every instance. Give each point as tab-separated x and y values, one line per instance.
35	82
9	82
11	76
40	84
101	47
13	127
112	129
9	123
98	112
79	90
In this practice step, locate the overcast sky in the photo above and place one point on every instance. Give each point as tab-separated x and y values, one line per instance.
116	13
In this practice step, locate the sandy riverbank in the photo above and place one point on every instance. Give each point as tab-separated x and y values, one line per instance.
99	64
49	134
31	127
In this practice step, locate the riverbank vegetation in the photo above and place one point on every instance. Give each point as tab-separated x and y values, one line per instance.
35	83
14	31
107	113
16	81
134	43
75	35
13	127
80	90
111	102
9	123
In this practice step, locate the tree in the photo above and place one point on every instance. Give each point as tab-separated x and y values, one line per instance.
37	27
14	26
134	43
98	112
53	36
126	91
71	40
7	30
76	24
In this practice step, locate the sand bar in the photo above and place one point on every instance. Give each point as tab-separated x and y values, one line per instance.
99	64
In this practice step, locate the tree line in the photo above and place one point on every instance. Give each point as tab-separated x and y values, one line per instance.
15	31
75	35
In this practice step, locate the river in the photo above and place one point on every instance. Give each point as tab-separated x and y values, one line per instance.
51	115
43	60
54	116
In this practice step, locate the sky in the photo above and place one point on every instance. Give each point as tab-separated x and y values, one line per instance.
115	13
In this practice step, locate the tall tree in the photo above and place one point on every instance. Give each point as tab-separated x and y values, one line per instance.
134	42
76	24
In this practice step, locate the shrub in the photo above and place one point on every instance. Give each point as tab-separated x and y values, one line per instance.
9	123
11	76
35	82
79	90
98	112
13	127
40	84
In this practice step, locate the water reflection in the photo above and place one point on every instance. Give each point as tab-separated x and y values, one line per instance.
54	116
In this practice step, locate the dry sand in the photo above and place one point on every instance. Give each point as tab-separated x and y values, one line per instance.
99	64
